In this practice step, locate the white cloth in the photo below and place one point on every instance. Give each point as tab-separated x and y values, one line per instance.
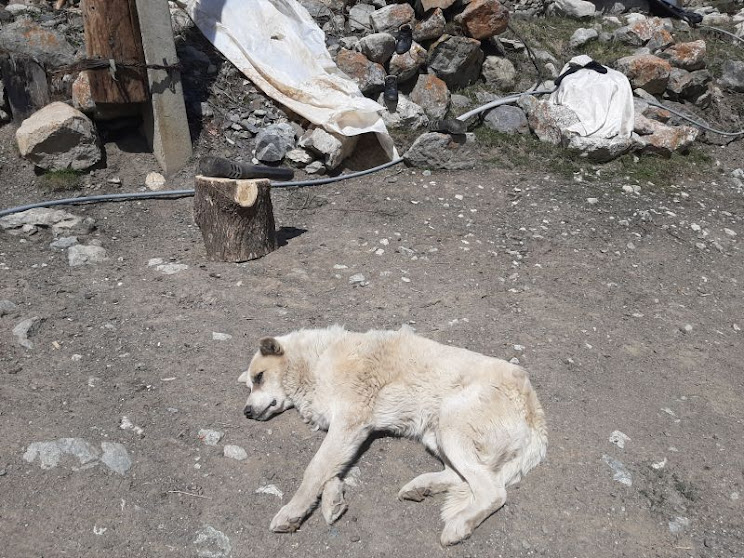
279	47
603	102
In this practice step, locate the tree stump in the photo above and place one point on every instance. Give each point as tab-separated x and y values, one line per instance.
235	217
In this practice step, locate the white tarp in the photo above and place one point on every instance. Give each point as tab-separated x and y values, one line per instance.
603	102
279	47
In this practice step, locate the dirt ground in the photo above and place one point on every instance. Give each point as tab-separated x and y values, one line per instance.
625	307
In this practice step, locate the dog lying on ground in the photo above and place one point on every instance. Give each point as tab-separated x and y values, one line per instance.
478	414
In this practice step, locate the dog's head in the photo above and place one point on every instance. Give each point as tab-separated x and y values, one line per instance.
266	396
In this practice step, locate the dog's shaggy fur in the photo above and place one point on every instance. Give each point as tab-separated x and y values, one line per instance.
478	414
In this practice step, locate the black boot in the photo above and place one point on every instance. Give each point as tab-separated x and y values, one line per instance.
404	39
390	95
448	126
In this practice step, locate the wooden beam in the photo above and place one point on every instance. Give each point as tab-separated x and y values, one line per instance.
166	124
112	33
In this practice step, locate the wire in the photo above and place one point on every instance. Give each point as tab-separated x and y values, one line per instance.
722	31
696	122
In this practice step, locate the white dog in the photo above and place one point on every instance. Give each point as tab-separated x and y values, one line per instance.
478	414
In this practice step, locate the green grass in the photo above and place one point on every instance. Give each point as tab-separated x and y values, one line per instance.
526	152
61	180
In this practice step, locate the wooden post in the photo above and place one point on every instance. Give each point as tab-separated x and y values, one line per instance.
112	33
235	217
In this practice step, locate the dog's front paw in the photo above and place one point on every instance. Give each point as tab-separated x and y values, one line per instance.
286	521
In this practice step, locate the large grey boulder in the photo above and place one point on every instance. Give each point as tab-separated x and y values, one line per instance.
407	114
334	149
59	137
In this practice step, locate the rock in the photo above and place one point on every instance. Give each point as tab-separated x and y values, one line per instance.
546	120
619	438
577	9
217	336
270	489
651	31
59	220
482	19
299	157
273	142
646	71
235	452
583	36
210	437
390	18
359	17
407	65
349	43
435	150
212	543
620	473
115	457
732	77
154	181
47	46
316	167
21	9
432	95
81	254
171	268
688	85
442	4
81	95
679	524
499	72
665	140
378	47
429	28
25	329
333	148
507	119
716	20
407	115
602	150
59	137
63	242
456	60
369	76
51	453
6	307
460	101
688	56
357	279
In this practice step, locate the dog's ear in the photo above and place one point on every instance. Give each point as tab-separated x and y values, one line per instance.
244	377
270	346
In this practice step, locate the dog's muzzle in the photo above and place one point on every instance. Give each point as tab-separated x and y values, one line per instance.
250	412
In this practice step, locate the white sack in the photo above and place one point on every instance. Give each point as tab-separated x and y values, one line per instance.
603	102
279	47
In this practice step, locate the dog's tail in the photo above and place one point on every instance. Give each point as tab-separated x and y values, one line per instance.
458	498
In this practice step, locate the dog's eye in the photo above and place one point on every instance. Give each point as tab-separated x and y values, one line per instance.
258	378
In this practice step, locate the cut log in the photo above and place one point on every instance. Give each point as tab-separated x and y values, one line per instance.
235	217
112	33
26	85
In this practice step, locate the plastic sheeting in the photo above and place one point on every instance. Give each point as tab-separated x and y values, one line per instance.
279	47
603	102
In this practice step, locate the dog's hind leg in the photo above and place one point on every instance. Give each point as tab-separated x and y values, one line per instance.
429	484
332	503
